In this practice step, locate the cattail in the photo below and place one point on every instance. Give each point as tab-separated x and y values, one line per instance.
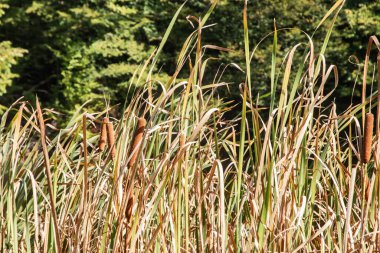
128	218
111	139
182	140
128	210
103	134
141	123
367	143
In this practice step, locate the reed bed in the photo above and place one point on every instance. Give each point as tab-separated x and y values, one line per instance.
180	176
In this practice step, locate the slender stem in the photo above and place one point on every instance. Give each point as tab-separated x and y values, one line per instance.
48	175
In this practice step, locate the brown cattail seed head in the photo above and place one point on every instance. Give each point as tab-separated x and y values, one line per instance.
103	134
111	139
128	211
141	123
367	143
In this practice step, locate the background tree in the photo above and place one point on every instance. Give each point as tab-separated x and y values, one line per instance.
87	48
8	57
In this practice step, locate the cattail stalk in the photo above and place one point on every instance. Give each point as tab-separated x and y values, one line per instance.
378	105
49	177
182	141
103	134
367	142
85	154
111	139
141	123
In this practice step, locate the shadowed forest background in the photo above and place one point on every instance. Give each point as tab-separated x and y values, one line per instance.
68	52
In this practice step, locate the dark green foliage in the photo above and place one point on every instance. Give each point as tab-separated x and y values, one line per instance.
8	57
80	50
